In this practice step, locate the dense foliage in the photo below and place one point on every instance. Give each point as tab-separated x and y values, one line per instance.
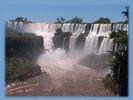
117	80
21	19
60	20
23	46
103	20
22	51
75	20
125	12
19	69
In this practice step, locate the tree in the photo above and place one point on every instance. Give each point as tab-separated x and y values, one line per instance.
103	20
75	20
119	63
126	11
60	20
21	19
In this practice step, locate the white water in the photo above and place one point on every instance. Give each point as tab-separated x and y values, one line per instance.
47	30
64	71
58	58
97	30
106	45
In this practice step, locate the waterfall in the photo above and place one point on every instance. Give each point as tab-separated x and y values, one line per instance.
78	29
96	41
96	31
91	40
73	40
106	45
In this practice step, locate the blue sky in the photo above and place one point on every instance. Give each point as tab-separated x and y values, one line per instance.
49	10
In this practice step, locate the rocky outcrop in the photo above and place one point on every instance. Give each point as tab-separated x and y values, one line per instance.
22	51
61	39
25	46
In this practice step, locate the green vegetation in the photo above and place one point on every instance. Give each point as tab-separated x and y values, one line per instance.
121	22
22	51
60	20
117	80
19	69
103	20
23	46
78	20
75	20
120	38
21	19
126	12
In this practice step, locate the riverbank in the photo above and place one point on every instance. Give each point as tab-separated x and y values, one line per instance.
73	80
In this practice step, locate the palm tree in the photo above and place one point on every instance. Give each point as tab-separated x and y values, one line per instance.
126	11
119	64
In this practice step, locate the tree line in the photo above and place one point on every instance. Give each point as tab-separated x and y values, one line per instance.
61	20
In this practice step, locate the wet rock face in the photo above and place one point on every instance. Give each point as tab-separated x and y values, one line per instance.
22	51
61	39
66	41
87	29
58	39
24	46
100	38
80	43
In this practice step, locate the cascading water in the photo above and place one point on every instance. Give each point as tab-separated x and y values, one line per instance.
91	40
97	40
106	45
79	29
65	70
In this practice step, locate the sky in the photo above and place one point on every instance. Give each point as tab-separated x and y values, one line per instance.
49	10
